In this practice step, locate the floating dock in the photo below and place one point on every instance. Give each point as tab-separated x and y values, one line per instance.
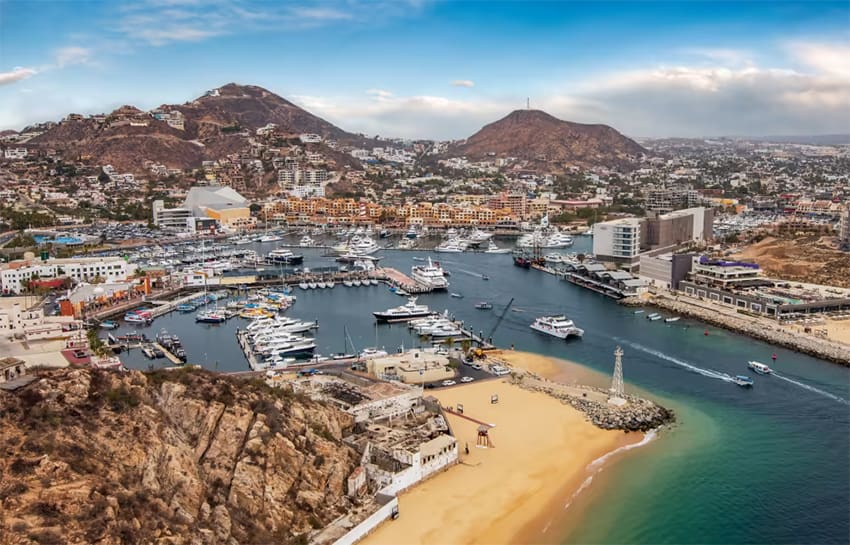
400	280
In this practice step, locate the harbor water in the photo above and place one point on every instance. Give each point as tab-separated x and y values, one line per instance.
762	465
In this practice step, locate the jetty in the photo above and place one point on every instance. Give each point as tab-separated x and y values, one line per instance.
400	280
171	357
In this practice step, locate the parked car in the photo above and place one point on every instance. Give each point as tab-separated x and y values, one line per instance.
467	379
448	382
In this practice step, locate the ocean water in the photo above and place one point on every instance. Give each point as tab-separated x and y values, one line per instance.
769	464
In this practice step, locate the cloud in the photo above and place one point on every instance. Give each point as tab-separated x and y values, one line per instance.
70	55
380	93
831	59
721	55
321	14
17	74
462	83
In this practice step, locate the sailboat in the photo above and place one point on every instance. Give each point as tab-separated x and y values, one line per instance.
209	316
344	355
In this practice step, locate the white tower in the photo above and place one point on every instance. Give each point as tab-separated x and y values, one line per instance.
616	397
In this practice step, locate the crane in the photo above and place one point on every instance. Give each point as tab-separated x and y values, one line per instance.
499	320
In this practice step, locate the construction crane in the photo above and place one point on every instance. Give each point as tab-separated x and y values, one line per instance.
499	320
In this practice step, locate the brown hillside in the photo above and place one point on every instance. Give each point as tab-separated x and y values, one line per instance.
537	136
169	457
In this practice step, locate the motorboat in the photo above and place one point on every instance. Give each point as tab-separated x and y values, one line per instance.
109	324
370	353
272	237
759	367
283	256
430	275
312	285
558	326
485	277
454	246
743	381
306	242
407	311
212	316
456	295
484	305
671	320
138	317
304	285
493	249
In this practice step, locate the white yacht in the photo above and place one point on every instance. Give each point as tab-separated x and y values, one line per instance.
493	249
453	246
430	275
759	367
364	246
270	238
407	311
478	236
306	242
558	326
283	256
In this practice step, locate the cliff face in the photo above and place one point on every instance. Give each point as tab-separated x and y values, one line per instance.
537	136
169	457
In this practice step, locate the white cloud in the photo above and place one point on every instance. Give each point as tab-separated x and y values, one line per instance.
67	56
832	59
380	93
722	55
322	14
462	83
17	74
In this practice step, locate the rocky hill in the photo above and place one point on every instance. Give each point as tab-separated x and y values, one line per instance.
213	128
167	457
536	136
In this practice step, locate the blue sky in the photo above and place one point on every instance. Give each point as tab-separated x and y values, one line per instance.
442	69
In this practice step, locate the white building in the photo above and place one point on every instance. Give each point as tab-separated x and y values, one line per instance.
303	183
844	228
15	153
18	322
16	275
309	138
173	219
617	241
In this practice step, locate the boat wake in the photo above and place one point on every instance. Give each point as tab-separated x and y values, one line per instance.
711	373
647	438
812	389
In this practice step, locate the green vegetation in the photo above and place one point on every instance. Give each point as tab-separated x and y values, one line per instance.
20	220
21	240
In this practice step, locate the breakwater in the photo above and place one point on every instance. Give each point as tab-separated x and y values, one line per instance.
637	414
760	328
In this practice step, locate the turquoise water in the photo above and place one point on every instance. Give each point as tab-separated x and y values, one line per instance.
766	465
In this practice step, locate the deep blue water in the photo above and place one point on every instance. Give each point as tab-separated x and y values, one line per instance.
765	465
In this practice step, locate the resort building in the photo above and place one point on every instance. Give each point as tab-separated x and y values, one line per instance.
412	367
618	242
16	276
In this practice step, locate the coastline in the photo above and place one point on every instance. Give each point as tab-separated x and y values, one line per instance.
544	456
768	331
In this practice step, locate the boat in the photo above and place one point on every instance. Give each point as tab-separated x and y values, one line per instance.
303	285
347	283
639	311
484	305
759	367
407	311
108	324
654	318
138	317
558	326
493	249
743	381
485	277
430	275
451	246
456	295
416	258
306	242
369	353
283	256
357	283
312	285
270	238
321	284
523	262
148	352
671	320
186	307
212	316
374	281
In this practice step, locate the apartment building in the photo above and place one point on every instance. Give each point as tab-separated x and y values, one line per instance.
15	153
618	242
678	228
844	227
665	200
15	276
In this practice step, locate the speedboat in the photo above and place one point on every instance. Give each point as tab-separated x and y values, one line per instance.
743	381
407	311
109	324
493	249
369	353
456	295
759	368
484	305
671	320
306	242
558	326
210	317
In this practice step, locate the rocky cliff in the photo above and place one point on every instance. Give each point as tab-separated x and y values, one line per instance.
168	457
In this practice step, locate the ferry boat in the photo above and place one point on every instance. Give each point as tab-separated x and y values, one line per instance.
743	381
558	326
407	311
283	256
430	275
759	367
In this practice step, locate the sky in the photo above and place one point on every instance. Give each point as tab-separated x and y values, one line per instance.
442	69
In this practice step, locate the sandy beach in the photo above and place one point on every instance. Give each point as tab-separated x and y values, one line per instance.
512	492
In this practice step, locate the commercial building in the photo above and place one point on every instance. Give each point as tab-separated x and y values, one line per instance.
220	203
15	276
412	367
665	271
618	242
665	199
675	229
844	228
172	219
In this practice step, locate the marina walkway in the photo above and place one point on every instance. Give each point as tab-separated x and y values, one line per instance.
401	280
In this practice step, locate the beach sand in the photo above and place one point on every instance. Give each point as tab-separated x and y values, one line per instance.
556	369
512	492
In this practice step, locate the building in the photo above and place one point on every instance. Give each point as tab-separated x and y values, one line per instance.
303	183
665	271
16	276
222	204
29	324
678	228
844	228
415	366
665	200
15	153
618	242
172	219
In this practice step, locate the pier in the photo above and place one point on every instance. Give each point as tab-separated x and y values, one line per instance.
401	280
169	356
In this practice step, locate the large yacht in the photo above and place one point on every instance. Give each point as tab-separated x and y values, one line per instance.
558	326
493	249
272	237
454	246
430	275
407	311
283	256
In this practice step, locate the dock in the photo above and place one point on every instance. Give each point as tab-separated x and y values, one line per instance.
400	280
171	357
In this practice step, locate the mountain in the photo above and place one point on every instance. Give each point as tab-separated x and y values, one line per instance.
537	136
213	127
813	139
172	457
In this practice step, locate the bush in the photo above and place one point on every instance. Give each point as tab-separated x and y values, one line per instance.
121	398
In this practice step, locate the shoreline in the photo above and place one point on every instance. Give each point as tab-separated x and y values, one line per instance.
545	456
756	328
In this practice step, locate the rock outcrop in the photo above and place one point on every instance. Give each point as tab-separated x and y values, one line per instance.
167	457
